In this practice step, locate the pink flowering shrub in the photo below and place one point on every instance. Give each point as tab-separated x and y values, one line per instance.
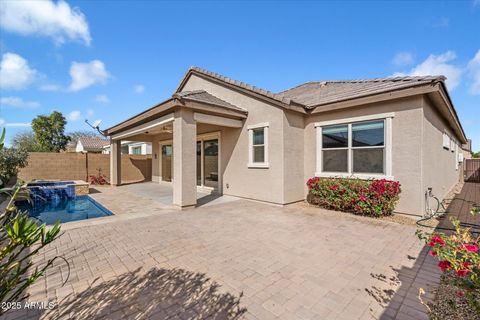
459	257
364	197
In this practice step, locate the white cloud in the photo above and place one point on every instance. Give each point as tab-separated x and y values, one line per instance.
17	102
45	18
18	124
473	68
14	124
102	98
139	88
438	65
403	59
15	73
74	115
90	112
86	74
49	87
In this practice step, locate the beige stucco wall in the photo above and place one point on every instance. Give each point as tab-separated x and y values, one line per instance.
293	130
406	145
266	184
439	171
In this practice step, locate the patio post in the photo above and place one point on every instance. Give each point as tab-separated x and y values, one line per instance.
184	159
115	162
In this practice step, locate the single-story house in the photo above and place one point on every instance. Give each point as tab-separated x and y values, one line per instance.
91	144
244	141
132	147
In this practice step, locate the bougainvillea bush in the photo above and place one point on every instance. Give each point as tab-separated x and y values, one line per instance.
364	197
459	258
99	179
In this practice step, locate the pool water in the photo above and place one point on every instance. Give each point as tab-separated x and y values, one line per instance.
52	202
65	210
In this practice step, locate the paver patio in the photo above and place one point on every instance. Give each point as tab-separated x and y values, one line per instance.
238	259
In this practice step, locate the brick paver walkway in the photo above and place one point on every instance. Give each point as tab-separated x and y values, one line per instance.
234	260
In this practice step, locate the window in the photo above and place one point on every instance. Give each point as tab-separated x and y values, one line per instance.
136	150
446	141
258	145
355	148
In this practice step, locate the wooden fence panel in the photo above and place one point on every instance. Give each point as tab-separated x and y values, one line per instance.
472	170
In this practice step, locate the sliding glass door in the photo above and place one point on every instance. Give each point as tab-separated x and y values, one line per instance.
210	163
167	154
207	162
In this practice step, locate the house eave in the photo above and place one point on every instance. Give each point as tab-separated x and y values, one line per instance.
169	106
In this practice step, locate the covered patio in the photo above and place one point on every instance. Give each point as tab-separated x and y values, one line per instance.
162	192
186	133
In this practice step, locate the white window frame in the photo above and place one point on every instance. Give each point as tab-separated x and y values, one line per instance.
387	117
136	148
456	157
265	126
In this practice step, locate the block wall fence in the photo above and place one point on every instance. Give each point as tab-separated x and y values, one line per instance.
80	166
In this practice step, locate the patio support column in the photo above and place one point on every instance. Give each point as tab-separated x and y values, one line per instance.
115	162
184	159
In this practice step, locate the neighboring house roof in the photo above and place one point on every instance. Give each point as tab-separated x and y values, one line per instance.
91	143
204	96
317	93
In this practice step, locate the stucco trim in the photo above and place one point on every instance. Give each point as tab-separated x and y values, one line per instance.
261	165
388	147
258	125
353	176
355	119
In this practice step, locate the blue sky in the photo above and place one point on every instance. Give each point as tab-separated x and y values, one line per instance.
109	60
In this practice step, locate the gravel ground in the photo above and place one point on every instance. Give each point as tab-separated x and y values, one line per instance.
449	305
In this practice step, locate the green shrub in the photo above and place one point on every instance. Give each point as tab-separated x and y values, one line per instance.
11	159
364	197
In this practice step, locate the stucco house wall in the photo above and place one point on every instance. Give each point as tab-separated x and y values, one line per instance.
441	170
406	145
293	151
265	184
417	126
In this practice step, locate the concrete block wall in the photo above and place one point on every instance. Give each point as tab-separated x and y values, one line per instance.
79	166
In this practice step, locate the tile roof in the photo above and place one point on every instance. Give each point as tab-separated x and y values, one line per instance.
93	143
312	94
246	86
205	97
315	93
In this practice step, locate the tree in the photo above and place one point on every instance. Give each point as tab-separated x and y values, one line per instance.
26	141
11	160
21	239
50	132
476	154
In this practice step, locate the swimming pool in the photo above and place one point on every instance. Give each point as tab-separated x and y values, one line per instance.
52	201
